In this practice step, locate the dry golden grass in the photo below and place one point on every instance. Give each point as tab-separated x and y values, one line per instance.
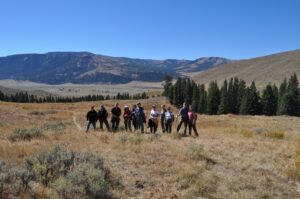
233	157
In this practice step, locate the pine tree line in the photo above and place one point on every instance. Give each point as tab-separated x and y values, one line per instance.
236	97
24	97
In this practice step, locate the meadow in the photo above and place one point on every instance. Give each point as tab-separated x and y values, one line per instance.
233	157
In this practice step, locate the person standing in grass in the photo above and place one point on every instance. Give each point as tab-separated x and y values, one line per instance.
140	117
192	121
153	119
183	113
91	118
102	114
162	117
133	117
115	117
169	119
127	118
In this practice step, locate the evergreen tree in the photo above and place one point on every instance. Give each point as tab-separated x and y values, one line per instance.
196	97
289	103
282	91
268	101
224	103
202	107
250	104
168	79
241	91
213	98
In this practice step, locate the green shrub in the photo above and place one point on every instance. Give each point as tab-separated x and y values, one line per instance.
54	127
3	176
123	139
25	134
84	180
276	134
194	151
37	113
135	139
154	137
72	175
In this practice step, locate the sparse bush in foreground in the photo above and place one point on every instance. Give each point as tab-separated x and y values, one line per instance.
194	151
294	170
197	182
25	134
70	174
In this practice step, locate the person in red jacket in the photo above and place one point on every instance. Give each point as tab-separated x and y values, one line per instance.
127	118
192	116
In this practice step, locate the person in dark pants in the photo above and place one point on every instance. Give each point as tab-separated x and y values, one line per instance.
162	118
91	118
140	117
153	121
127	118
192	121
102	114
169	119
133	117
115	118
183	113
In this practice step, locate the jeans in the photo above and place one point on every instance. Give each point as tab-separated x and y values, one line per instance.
140	124
192	125
185	122
105	122
115	123
168	126
127	123
89	123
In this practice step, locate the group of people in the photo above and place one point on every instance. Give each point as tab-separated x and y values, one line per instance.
136	118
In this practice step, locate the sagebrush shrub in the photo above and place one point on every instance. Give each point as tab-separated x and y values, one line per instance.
25	134
54	126
194	151
72	175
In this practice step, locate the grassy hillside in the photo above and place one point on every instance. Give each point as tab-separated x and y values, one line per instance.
262	70
233	157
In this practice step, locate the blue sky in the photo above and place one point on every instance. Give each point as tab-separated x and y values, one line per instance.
157	29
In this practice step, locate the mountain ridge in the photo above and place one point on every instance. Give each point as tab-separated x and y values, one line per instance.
86	67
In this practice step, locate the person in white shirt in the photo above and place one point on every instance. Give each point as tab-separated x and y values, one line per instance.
169	119
153	121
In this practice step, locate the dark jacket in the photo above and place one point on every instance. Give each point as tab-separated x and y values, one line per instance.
184	113
116	111
102	114
139	114
92	116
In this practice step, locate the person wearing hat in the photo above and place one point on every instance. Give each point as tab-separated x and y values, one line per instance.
115	118
153	121
169	119
127	118
91	118
102	114
140	117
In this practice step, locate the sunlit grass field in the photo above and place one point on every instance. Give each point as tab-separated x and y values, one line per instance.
233	157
